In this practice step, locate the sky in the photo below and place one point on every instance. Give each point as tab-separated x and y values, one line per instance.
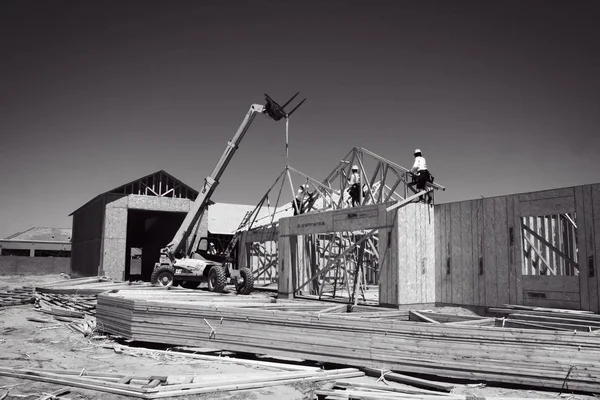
501	96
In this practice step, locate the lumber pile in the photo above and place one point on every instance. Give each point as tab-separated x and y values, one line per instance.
364	391
16	297
438	317
91	286
157	387
546	318
550	359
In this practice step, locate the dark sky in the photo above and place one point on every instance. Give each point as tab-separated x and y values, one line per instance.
501	96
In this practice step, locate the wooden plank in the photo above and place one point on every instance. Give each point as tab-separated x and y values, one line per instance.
430	233
417	316
448	254
594	282
560	303
387	285
439	234
583	226
444	251
491	283
395	377
536	283
548	206
479	253
510	218
457	269
466	234
587	296
406	250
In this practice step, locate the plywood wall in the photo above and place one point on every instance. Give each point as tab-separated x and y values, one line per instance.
408	273
479	250
88	226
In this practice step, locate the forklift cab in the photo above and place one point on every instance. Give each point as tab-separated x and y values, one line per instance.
214	249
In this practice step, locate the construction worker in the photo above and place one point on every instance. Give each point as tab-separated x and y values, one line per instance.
302	199
354	188
420	173
211	248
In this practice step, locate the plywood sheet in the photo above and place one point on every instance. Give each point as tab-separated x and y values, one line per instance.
438	233
501	236
547	283
548	206
489	240
456	268
594	282
467	267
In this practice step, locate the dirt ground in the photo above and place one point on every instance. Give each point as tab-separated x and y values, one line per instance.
30	344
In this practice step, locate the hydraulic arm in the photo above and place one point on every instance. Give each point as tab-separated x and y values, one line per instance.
177	247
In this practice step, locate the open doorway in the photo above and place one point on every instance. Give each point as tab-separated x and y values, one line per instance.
147	233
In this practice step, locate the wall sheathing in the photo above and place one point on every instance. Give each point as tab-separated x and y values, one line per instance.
479	250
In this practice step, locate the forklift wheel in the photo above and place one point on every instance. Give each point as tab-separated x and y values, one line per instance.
216	279
245	283
163	275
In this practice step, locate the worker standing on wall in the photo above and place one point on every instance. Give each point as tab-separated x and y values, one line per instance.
421	173
303	197
354	188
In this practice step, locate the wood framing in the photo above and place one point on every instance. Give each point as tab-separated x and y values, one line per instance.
536	249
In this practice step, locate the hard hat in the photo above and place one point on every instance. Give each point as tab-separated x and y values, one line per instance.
211	244
355	168
417	151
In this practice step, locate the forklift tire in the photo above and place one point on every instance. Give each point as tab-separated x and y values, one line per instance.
163	275
246	286
190	284
216	279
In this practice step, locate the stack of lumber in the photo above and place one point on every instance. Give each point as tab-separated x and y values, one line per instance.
455	319
156	387
547	318
539	358
365	391
91	286
16	297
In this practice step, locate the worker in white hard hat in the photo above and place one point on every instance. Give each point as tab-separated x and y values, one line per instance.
211	248
420	173
302	200
354	186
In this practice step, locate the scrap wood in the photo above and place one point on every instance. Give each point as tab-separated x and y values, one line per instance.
421	317
396	377
34	319
63	313
163	391
55	394
481	321
231	360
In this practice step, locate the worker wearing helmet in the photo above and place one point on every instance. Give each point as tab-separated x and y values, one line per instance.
211	248
354	186
420	172
302	200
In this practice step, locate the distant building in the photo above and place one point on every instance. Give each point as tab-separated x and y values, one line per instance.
36	251
131	222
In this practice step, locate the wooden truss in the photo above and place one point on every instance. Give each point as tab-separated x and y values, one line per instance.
337	263
159	184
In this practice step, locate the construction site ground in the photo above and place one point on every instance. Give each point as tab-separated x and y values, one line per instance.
25	343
